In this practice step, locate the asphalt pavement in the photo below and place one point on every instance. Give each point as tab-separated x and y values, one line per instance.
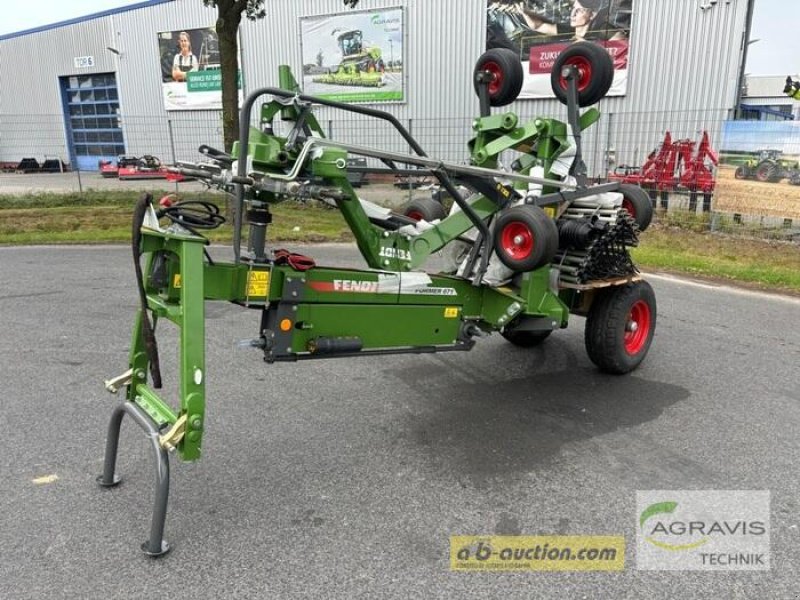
345	478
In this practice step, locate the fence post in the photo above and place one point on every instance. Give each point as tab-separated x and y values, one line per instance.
330	129
172	147
78	172
410	151
607	161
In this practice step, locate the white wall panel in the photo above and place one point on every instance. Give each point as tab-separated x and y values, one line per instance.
684	63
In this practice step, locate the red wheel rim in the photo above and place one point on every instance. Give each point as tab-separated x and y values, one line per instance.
627	205
416	215
517	241
584	67
637	327
497	79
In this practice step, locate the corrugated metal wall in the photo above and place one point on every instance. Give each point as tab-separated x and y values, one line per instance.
32	122
684	64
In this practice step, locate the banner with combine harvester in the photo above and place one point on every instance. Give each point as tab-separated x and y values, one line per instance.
538	30
356	56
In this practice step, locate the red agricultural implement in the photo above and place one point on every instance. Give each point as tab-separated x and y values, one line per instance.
676	166
134	167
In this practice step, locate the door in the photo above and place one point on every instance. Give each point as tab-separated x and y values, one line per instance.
91	114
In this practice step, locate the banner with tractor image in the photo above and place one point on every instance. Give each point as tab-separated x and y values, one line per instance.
759	171
539	30
355	56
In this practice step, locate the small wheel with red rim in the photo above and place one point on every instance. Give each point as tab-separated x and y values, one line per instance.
637	203
525	238
506	75
424	209
595	72
620	327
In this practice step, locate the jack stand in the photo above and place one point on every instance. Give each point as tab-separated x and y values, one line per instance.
156	545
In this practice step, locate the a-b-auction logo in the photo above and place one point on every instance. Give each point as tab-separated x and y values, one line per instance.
705	530
537	553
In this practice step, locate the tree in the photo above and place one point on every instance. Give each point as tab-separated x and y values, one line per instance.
229	17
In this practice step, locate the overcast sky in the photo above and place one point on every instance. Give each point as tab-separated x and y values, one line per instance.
775	26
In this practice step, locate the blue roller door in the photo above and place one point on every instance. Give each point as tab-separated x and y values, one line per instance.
91	114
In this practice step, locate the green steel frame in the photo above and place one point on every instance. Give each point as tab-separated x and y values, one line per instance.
331	312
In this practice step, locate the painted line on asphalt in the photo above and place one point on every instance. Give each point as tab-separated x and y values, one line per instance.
723	288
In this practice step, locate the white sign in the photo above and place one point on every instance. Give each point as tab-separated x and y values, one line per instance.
83	62
719	530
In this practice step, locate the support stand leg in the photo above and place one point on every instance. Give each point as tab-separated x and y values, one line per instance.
156	545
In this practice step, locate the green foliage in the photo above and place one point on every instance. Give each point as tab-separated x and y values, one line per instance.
252	9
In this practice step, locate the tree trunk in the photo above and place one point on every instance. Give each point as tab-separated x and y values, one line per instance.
229	18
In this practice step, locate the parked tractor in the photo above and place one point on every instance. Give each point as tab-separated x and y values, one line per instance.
769	167
362	64
525	249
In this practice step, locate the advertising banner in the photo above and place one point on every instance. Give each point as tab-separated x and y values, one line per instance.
190	70
354	56
538	30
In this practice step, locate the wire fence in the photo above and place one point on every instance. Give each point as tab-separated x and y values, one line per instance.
700	169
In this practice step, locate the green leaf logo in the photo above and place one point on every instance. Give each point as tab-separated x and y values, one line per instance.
656	509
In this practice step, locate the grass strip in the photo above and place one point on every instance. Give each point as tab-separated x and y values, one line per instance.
105	217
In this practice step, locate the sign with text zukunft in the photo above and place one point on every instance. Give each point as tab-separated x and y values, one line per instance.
713	530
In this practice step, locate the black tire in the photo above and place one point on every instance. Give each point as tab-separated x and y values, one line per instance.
742	172
595	72
526	339
525	238
612	343
506	68
638	204
766	172
424	209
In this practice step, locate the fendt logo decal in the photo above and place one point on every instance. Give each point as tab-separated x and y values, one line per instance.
388	283
345	285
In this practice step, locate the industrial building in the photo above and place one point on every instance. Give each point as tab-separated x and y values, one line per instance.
96	87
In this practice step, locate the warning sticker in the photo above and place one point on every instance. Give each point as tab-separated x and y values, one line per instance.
451	312
176	281
257	283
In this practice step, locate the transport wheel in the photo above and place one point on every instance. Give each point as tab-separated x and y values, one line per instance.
424	209
638	204
506	69
620	327
525	238
595	72
526	339
741	173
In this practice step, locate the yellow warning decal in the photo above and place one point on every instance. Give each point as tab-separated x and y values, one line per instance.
257	283
451	312
176	280
550	211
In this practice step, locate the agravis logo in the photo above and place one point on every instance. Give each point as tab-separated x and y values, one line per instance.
703	530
